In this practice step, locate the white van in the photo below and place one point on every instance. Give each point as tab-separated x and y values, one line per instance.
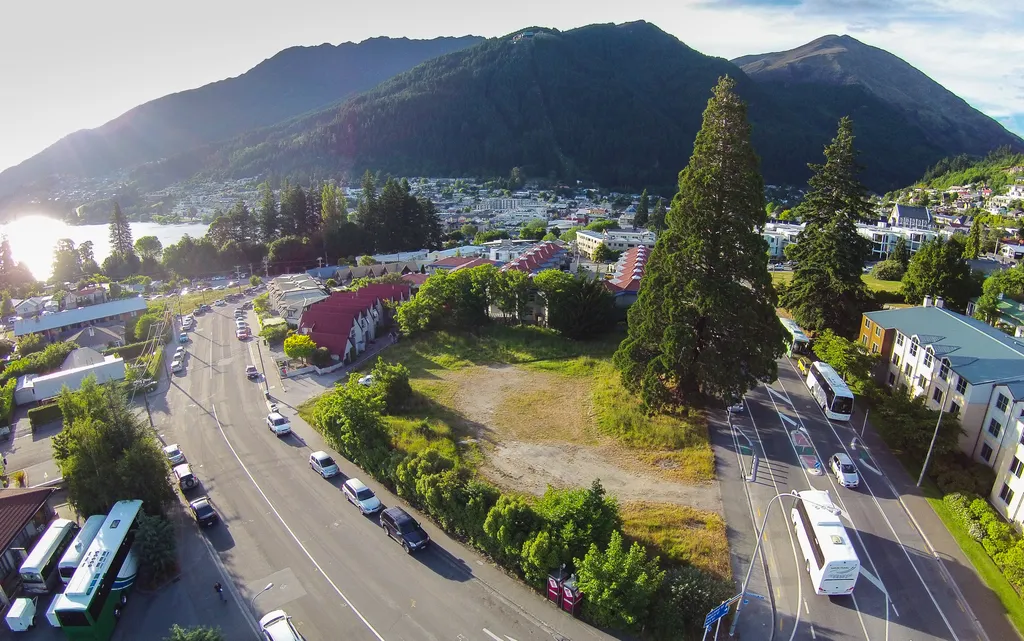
278	424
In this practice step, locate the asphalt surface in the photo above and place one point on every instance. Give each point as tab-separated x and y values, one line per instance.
914	601
334	571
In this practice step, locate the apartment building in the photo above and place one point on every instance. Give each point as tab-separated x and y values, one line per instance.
292	294
974	371
779	236
884	236
614	239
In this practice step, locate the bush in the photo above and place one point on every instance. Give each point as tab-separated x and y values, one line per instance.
391	381
618	584
157	546
156	364
7	401
322	357
128	352
44	415
888	270
6	348
275	333
30	344
686	596
40	362
197	633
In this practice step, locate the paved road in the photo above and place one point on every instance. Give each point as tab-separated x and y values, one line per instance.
333	570
922	605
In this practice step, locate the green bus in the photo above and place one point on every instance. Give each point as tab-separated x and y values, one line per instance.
797	342
91	604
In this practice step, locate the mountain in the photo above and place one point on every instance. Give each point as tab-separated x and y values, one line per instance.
619	105
941	117
294	81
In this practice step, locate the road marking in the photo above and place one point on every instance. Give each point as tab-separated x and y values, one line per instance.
806	609
291	533
492	635
813	636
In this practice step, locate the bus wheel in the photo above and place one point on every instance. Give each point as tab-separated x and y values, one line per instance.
124	598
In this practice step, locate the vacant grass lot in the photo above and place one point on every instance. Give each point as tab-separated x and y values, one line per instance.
680	534
875	285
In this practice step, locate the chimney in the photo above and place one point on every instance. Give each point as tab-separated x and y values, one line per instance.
927	301
939	302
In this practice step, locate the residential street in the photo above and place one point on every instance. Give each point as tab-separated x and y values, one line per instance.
333	570
924	603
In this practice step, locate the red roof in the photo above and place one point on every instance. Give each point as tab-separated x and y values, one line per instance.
452	261
416	278
476	262
534	258
630	269
17	505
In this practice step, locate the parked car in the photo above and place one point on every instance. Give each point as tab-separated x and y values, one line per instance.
277	626
220	303
844	470
251	372
174	454
179	354
177	366
360	496
366	381
242	334
401	527
322	463
203	511
278	424
183	337
198	311
186	479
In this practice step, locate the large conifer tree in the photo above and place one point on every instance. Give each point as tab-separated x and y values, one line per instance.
643	210
704	324
120	233
827	291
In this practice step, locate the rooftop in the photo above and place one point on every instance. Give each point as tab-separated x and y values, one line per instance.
79	315
975	350
17	505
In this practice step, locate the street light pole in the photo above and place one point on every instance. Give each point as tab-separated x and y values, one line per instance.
757	546
252	603
935	437
266	383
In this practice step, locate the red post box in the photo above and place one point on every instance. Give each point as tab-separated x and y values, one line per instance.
555	581
571	596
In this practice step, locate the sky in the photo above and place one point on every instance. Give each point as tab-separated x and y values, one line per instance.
67	65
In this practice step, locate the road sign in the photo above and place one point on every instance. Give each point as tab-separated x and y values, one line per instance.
717	613
757	596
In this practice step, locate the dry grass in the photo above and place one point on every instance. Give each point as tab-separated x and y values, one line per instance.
680	534
551	408
873	283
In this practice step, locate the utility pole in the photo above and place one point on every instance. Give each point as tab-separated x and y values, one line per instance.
266	266
935	437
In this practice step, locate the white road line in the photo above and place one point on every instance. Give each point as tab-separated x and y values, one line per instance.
807	479
289	530
806	609
813	636
789	530
892	529
492	635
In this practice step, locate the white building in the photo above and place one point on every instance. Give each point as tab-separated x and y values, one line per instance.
779	236
974	370
614	239
883	238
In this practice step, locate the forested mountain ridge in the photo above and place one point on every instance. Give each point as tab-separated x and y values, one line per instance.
942	118
618	105
295	81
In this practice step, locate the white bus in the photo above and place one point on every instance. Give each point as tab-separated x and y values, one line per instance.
39	571
830	390
830	558
797	343
73	557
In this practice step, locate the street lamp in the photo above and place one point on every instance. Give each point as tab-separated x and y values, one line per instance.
253	602
757	546
935	436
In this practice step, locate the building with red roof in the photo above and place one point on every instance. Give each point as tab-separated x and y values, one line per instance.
625	281
345	322
546	255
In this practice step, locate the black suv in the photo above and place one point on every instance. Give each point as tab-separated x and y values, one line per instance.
404	529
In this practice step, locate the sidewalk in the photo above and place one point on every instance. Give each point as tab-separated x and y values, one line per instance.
985	605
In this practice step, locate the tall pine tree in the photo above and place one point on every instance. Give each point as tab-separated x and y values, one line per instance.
642	210
120	234
657	218
827	291
267	216
368	211
972	249
704	324
900	252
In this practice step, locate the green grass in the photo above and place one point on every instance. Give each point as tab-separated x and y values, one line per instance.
875	285
680	534
982	562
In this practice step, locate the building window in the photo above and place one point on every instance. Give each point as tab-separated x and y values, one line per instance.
944	371
1006	494
867	323
1016	466
937	395
986	452
1002	402
961	385
899	338
913	348
921	382
994	427
892	379
954	409
878	331
927	359
874	348
864	339
906	370
896	359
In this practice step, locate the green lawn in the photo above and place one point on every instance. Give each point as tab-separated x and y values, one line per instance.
873	283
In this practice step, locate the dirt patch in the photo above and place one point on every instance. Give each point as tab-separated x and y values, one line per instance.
538	429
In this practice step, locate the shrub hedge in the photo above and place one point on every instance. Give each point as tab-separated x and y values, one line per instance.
43	415
7	401
983	524
48	359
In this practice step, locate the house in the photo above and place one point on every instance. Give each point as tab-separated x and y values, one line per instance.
56	323
624	283
884	236
476	262
779	236
289	295
24	515
448	264
415	281
503	251
539	257
911	217
79	365
99	338
1010	311
346	322
85	296
617	240
972	370
31	306
1011	251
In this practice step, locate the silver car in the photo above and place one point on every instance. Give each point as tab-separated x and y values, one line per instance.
844	470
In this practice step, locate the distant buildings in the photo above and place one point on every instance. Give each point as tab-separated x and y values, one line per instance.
617	240
53	324
346	322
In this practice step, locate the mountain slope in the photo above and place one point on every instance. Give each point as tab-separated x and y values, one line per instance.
616	104
294	81
832	61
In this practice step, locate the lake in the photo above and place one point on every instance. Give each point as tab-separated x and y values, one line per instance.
33	239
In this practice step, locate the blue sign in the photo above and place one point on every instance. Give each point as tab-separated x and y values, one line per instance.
717	613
